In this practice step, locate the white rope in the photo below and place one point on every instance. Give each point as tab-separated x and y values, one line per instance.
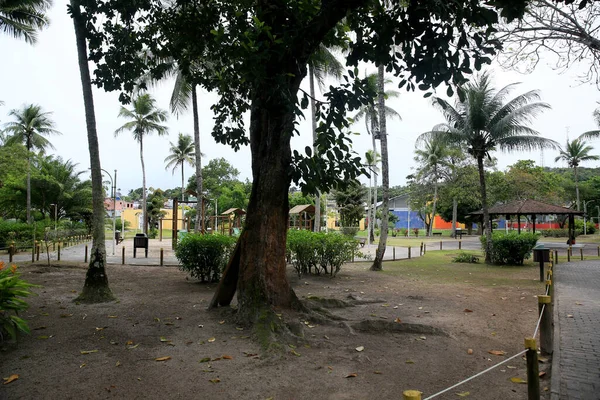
537	326
476	375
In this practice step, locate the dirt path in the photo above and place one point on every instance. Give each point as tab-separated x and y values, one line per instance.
161	313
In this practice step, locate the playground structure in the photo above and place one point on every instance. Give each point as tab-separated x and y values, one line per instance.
302	217
229	221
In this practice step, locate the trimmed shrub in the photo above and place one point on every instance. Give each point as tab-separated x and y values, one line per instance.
319	252
466	258
555	233
511	248
591	228
12	289
349	230
204	256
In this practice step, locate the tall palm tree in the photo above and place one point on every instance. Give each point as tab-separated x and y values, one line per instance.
181	153
29	128
483	122
95	288
145	119
575	153
370	114
432	158
22	19
372	159
321	64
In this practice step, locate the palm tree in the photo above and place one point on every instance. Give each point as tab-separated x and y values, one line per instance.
575	153
322	63
145	119
181	153
432	158
372	159
95	288
22	19
483	122
370	114
30	126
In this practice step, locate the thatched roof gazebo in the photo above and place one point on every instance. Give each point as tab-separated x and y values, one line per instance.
533	208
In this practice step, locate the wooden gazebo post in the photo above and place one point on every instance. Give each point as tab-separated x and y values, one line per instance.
519	223
533	220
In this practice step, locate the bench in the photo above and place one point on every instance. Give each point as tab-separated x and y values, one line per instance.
361	241
140	241
437	233
118	237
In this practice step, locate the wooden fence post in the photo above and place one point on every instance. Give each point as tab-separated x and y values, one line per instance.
569	254
37	252
58	252
441	245
393	253
581	253
546	324
424	248
123	255
86	253
161	256
409	252
11	251
555	257
33	250
533	374
460	244
421	249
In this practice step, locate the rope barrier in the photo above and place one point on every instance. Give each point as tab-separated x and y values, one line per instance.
537	327
476	375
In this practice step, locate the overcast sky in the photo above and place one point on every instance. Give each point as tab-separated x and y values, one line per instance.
48	74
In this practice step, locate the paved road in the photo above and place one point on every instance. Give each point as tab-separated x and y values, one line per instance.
576	364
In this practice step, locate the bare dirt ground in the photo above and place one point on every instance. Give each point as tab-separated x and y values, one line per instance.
110	350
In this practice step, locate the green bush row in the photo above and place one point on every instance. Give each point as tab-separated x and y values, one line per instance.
204	256
511	248
23	234
319	252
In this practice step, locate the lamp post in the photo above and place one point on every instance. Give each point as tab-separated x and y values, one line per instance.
113	188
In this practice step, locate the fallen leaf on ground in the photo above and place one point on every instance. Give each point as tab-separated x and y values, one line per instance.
543	373
463	394
156	319
129	342
39	328
66	315
112	316
511	367
377	372
497	352
226	357
42	337
133	347
221	322
205	359
294	352
118	363
470	351
169	323
163	358
360	348
212	339
398	320
99	329
578	303
352	375
216	380
10	379
410	362
88	351
517	380
422	338
239	329
216	359
164	339
467	310
82	365
569	315
542	360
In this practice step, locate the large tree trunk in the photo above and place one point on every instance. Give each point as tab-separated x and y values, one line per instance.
257	266
385	176
454	215
311	78
144	205
29	186
487	231
95	288
199	208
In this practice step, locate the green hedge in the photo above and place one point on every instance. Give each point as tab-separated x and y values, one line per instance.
319	252
204	256
511	248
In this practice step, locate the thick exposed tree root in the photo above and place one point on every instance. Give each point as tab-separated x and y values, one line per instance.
91	295
379	326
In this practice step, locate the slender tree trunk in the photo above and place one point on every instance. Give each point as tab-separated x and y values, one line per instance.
95	288
576	185
435	192
313	112
29	186
385	177
487	226
144	205
370	220
373	209
182	190
198	153
454	215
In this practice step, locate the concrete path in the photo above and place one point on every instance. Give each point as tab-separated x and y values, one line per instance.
576	361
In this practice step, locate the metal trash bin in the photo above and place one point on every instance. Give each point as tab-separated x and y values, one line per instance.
140	241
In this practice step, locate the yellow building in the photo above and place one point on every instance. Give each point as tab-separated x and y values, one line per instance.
134	218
